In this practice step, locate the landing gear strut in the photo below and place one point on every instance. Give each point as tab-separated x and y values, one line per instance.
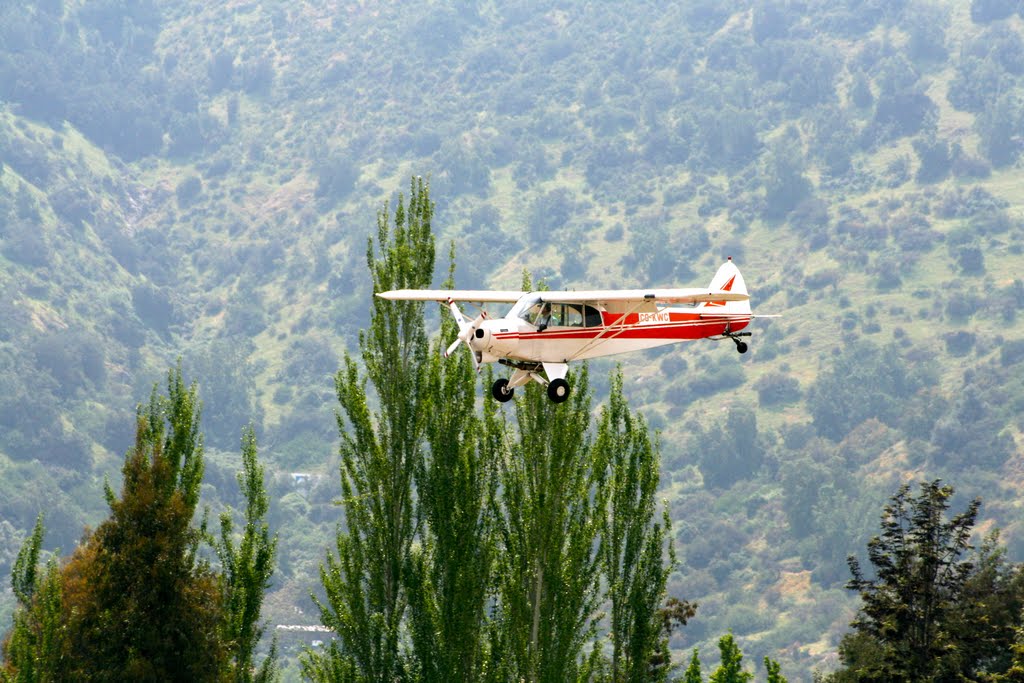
557	387
741	346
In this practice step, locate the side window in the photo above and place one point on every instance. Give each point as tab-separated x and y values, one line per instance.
573	317
593	316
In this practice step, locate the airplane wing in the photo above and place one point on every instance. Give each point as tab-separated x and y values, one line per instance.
481	295
665	296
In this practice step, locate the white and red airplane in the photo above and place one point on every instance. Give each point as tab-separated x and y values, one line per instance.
544	331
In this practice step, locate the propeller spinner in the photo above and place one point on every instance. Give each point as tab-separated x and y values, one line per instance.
467	328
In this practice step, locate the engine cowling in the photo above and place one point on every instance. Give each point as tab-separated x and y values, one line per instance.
495	339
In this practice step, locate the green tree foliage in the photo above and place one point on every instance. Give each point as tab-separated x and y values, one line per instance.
336	177
730	668
693	674
134	601
997	126
550	511
142	562
785	183
449	577
632	545
862	382
975	81
930	612
33	649
228	388
246	569
549	214
935	157
774	671
731	450
365	584
525	521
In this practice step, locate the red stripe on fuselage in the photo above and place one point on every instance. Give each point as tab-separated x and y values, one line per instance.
692	327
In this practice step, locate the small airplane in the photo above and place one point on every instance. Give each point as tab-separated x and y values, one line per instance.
544	331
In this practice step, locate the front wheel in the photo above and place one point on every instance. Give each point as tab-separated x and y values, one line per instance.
500	390
741	347
558	390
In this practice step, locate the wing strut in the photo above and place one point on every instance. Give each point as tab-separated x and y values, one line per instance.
602	338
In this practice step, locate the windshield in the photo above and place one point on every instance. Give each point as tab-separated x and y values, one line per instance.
526	308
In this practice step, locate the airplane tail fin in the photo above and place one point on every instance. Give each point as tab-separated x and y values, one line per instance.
728	279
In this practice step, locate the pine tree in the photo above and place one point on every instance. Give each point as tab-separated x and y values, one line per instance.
139	605
365	583
134	601
903	630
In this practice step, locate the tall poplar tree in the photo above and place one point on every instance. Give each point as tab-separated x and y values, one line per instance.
246	569
380	451
636	552
549	512
34	650
450	572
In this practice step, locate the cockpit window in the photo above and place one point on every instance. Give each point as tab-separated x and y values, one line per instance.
532	310
572	316
526	308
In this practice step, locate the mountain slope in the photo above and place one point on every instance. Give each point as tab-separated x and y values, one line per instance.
199	180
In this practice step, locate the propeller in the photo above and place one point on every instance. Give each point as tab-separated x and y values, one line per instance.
467	328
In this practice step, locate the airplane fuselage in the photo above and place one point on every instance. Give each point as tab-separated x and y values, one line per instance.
582	337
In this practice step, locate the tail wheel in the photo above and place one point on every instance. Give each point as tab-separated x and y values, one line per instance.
500	390
558	390
741	347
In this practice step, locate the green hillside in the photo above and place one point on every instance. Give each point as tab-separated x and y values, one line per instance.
199	180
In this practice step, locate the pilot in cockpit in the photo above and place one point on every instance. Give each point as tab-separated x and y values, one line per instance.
543	318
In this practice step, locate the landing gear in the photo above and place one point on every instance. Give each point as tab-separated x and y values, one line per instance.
558	390
500	390
741	346
524	373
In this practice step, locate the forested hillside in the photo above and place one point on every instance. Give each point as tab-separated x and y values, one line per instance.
199	180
